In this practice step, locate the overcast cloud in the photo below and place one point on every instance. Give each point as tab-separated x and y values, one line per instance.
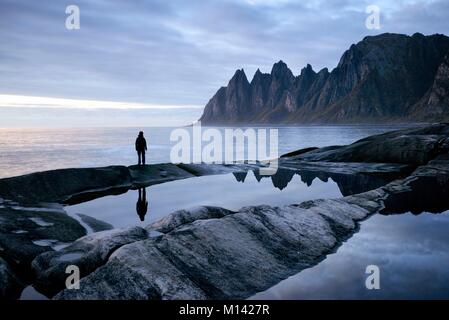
179	52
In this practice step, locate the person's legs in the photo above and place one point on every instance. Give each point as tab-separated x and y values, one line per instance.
143	157
139	156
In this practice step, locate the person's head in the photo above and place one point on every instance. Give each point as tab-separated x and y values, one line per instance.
141	133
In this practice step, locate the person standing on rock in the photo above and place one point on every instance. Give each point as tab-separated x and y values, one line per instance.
141	147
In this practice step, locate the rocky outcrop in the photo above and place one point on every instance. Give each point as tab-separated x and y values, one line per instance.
11	286
153	174
138	271
222	258
73	186
412	146
87	253
58	185
426	190
205	169
79	185
388	77
183	217
95	224
25	233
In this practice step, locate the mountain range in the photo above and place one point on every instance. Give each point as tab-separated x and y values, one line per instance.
383	78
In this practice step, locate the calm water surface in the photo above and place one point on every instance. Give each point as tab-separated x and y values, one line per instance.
412	252
228	191
29	150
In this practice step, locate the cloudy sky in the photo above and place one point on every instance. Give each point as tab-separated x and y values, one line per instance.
179	52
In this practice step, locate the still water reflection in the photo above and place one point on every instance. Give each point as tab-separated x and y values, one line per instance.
231	191
143	206
408	241
412	252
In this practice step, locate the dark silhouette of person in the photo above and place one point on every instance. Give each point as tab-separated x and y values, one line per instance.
142	204
141	147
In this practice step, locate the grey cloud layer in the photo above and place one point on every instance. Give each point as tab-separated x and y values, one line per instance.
180	51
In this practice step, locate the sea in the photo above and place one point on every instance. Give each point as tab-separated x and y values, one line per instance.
27	150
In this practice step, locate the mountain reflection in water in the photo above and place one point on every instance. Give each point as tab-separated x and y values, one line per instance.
287	186
347	183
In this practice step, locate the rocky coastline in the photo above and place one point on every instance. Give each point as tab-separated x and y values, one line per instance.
210	252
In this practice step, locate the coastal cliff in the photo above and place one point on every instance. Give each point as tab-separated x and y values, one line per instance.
383	78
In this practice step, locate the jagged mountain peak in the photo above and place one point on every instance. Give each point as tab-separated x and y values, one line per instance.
306	71
239	73
308	67
386	77
279	68
282	77
260	77
239	77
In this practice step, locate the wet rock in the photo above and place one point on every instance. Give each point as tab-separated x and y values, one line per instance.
374	169
425	194
346	216
58	185
93	194
425	190
78	185
152	174
182	217
410	146
11	286
95	224
138	271
371	200
298	152
87	253
24	234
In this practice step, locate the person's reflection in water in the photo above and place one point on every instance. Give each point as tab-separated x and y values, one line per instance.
142	204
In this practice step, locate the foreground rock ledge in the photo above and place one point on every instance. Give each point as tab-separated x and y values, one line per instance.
222	258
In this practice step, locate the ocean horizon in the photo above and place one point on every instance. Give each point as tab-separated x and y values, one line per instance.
31	150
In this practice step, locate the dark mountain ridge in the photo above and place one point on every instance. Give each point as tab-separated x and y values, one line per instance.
383	78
